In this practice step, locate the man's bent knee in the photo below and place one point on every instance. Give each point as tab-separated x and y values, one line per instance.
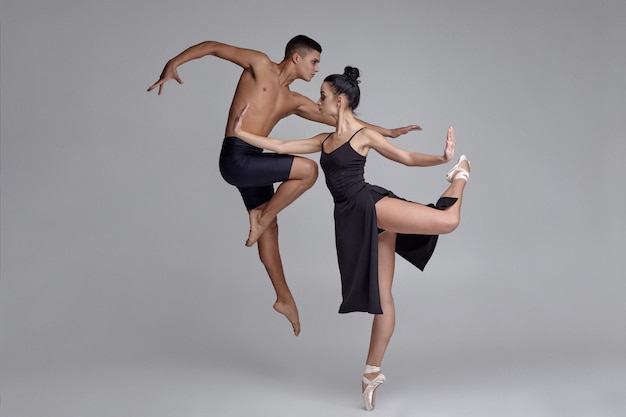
304	169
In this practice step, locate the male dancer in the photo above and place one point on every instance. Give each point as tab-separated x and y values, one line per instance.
264	87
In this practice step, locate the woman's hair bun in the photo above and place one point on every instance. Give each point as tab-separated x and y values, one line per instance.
352	74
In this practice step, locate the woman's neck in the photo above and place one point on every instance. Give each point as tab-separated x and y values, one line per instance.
346	122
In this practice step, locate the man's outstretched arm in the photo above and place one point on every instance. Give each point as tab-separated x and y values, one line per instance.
309	110
245	58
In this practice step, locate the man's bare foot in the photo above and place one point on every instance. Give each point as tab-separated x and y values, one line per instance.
290	311
256	227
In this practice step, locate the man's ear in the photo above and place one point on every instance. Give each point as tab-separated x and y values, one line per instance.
295	57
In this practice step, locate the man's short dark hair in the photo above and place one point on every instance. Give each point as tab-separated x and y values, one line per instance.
302	45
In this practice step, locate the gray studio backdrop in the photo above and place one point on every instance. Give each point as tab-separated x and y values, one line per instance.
122	247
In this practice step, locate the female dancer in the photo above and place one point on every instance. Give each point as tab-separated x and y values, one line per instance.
371	223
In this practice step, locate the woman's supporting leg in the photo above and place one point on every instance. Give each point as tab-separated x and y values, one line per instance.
383	324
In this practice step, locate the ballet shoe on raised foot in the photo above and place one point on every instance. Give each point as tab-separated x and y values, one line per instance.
457	172
369	393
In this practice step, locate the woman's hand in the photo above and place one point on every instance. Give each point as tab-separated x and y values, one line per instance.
239	120
448	152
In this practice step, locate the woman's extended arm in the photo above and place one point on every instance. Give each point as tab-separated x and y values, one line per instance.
388	150
299	146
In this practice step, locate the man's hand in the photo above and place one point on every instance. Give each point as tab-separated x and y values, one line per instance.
168	73
394	133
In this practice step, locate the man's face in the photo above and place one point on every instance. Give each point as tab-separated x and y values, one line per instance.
308	65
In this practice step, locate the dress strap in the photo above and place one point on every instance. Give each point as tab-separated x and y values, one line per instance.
353	134
329	135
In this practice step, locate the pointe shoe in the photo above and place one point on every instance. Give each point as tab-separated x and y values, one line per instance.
457	171
369	393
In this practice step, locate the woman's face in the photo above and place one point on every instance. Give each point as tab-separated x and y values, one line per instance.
327	102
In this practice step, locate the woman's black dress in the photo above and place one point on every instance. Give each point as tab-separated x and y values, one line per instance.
356	232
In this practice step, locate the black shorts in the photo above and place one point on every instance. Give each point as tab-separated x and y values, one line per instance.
253	171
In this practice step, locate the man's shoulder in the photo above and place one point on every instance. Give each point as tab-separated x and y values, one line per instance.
262	60
298	99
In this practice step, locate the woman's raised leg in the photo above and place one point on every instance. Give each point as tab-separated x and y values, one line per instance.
401	216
